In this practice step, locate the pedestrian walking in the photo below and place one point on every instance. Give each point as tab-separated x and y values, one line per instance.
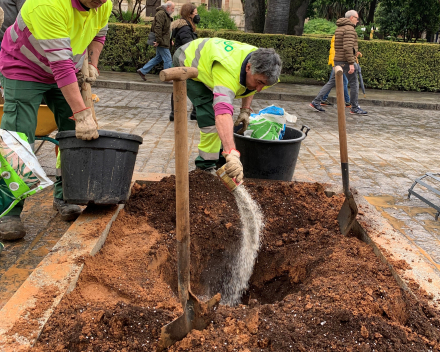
183	31
331	62
346	51
161	28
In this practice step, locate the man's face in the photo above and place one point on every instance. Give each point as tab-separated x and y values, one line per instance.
255	81
93	4
170	9
354	19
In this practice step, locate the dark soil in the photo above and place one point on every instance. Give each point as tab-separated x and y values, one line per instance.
312	289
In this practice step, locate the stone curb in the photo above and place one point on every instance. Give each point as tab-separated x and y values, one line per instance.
168	88
392	247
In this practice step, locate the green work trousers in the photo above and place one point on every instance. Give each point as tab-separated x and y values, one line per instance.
22	100
202	98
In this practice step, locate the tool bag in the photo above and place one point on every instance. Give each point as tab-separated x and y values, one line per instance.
21	175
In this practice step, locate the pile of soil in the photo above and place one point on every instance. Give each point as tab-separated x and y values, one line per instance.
312	289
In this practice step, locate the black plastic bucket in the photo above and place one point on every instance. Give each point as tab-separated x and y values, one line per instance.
271	160
97	171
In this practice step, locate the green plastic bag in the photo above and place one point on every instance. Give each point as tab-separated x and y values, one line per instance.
269	123
21	175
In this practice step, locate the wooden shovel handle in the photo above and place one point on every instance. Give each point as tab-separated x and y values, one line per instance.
86	89
178	74
341	113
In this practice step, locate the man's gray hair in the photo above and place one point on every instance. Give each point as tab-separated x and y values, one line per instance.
350	13
168	4
266	62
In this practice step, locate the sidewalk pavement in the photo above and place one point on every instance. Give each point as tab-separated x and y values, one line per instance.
281	91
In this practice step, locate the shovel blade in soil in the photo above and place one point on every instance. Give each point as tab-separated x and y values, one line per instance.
196	315
347	215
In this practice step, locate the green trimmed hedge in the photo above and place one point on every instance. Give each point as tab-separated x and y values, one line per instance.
385	65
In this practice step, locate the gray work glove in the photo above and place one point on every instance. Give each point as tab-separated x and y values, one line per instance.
80	78
85	126
93	75
245	113
233	166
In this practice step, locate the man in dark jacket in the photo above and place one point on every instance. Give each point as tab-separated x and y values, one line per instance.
161	28
346	51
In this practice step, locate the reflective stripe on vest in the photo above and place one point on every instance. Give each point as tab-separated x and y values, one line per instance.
210	145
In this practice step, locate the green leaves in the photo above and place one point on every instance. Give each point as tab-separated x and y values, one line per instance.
319	26
385	64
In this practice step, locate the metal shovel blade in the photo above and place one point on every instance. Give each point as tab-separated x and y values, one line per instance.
347	214
195	316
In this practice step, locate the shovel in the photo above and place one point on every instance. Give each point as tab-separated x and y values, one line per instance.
86	89
195	313
349	210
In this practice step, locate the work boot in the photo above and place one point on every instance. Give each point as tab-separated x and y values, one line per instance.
193	115
11	228
67	211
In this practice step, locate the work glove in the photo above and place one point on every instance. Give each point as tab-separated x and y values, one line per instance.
93	74
85	126
233	166
245	113
80	78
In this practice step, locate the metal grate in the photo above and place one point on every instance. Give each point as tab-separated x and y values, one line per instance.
419	181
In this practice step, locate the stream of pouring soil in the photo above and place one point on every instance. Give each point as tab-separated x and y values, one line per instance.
243	266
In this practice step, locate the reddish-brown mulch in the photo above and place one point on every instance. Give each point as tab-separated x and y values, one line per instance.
312	289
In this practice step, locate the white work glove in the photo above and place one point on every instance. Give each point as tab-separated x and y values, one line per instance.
233	166
93	74
245	113
85	126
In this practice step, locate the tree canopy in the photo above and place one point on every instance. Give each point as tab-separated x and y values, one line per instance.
408	18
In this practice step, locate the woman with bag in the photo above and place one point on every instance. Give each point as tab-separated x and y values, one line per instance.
183	31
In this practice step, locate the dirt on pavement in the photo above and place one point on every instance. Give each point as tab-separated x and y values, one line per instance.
312	289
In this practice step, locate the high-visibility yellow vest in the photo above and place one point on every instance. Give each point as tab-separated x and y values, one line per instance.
46	20
225	56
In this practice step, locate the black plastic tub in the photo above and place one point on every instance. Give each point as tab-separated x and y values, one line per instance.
97	171
271	160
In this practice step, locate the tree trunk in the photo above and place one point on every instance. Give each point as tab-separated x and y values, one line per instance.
254	15
216	4
370	18
297	16
277	18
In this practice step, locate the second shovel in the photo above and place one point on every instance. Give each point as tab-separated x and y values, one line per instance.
349	210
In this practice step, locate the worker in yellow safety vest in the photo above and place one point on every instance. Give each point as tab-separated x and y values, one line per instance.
228	70
41	56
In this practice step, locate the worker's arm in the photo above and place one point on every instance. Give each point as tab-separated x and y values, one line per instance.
94	50
246	102
225	127
73	97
